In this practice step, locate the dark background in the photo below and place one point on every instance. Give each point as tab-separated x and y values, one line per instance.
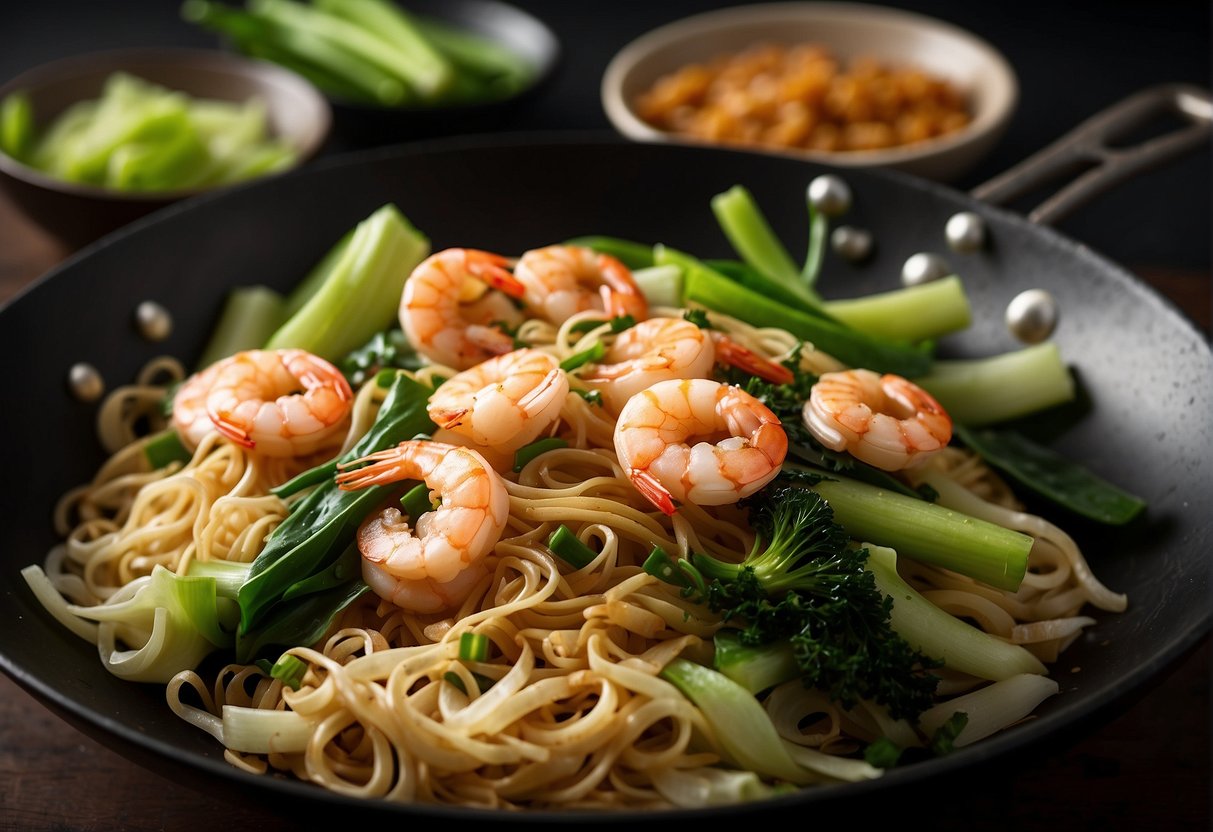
1072	58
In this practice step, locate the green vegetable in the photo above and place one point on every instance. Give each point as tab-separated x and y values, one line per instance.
385	350
747	229
250	316
739	724
499	71
416	501
819	227
929	533
473	647
329	65
882	753
940	635
586	356
524	455
568	548
289	670
982	391
632	254
16	125
317	533
165	448
412	55
140	136
756	281
170	622
915	313
754	667
361	291
715	291
369	31
802	583
660	285
1052	476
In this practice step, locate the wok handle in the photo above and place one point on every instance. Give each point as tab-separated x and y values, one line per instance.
1090	157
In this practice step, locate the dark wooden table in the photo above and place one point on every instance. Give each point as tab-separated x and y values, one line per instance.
1147	769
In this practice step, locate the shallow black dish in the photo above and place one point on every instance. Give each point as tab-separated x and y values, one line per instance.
1148	372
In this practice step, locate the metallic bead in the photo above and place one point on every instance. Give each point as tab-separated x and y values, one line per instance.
851	243
1032	315
85	382
965	232
923	268
154	321
830	195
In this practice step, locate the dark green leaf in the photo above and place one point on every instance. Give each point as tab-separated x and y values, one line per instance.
1052	476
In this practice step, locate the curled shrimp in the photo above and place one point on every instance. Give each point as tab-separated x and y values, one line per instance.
502	403
651	441
279	402
440	326
661	349
561	281
434	563
885	421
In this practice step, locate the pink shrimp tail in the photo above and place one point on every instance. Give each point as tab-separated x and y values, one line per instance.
383	468
223	423
730	352
620	296
491	268
653	490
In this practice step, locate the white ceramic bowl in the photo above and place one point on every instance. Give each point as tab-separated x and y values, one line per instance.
848	30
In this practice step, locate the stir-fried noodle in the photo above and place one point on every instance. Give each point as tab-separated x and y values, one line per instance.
570	711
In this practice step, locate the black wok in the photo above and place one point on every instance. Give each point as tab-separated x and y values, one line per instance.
1147	371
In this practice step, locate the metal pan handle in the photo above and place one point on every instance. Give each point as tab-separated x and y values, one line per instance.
1090	159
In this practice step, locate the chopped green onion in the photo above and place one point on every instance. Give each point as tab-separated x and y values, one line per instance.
165	448
618	324
697	317
289	670
580	359
593	397
565	545
416	501
660	285
526	453
882	753
453	677
473	647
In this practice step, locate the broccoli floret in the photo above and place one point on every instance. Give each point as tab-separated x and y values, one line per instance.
803	584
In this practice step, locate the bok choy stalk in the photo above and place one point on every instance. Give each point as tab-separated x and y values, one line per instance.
309	569
715	291
151	629
913	313
361	291
940	635
982	391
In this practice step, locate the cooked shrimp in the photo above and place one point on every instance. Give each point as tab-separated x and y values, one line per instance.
442	328
502	403
661	349
651	443
885	421
278	402
561	281
432	564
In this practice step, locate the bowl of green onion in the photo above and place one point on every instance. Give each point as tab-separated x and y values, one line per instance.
91	142
396	69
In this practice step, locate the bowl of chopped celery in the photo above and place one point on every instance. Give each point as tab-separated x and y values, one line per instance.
396	69
91	142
